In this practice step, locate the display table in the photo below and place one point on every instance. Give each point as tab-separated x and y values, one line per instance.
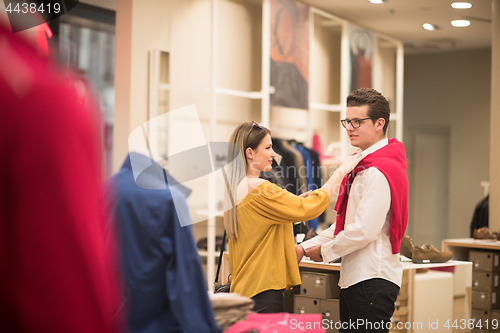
309	265
411	268
461	246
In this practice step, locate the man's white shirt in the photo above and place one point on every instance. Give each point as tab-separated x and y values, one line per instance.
364	244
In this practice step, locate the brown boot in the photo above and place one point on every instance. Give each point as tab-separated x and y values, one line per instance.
406	246
483	233
429	254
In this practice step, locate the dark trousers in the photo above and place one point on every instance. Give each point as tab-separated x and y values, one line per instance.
368	306
269	301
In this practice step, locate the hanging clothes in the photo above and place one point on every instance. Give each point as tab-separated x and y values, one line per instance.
298	168
275	175
316	146
480	218
317	178
287	165
313	223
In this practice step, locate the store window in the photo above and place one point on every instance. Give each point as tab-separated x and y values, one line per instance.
86	37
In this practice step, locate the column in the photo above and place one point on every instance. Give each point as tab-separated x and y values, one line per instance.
123	75
494	214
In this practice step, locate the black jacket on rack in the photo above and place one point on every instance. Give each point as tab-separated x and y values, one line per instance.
287	166
274	175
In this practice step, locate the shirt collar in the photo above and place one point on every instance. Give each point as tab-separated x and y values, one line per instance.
375	146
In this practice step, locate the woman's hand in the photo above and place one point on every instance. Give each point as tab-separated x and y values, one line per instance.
350	162
332	185
299	250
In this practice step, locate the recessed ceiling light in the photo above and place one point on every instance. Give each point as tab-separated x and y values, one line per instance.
428	26
377	1
460	23
461	5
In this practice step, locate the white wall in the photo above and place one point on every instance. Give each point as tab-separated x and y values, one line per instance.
181	28
452	90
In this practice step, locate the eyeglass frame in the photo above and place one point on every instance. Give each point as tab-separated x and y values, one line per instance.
349	121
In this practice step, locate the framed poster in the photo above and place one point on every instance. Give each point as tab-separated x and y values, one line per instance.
290	54
361	50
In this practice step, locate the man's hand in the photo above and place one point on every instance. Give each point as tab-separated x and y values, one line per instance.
313	254
300	253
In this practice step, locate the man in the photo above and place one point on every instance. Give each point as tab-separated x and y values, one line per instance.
372	213
164	286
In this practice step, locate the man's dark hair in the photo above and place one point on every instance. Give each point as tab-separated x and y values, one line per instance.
378	106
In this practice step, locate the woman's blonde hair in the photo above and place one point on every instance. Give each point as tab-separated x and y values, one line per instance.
246	135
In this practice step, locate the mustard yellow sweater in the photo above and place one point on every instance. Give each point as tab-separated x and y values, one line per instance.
263	257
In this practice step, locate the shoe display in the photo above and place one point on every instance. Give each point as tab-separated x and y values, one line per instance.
406	246
429	254
310	234
483	233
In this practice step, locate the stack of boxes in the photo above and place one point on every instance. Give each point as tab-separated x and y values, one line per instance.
485	291
401	308
319	293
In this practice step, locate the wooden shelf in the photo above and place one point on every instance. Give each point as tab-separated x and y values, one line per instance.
487	244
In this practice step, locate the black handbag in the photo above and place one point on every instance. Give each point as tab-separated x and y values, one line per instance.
221	288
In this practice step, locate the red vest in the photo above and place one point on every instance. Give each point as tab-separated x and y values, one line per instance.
391	161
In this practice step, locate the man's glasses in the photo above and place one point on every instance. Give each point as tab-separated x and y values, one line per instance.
355	123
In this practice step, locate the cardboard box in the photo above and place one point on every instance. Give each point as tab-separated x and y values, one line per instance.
289	298
400	303
480	315
398	324
304	304
320	285
485	261
494	323
329	309
484	300
485	281
400	311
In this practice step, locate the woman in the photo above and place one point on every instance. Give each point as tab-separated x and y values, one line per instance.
262	256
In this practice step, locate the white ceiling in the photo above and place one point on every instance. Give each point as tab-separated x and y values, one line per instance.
403	19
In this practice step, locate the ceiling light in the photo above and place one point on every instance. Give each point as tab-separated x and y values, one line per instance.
461	5
377	1
428	26
460	23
